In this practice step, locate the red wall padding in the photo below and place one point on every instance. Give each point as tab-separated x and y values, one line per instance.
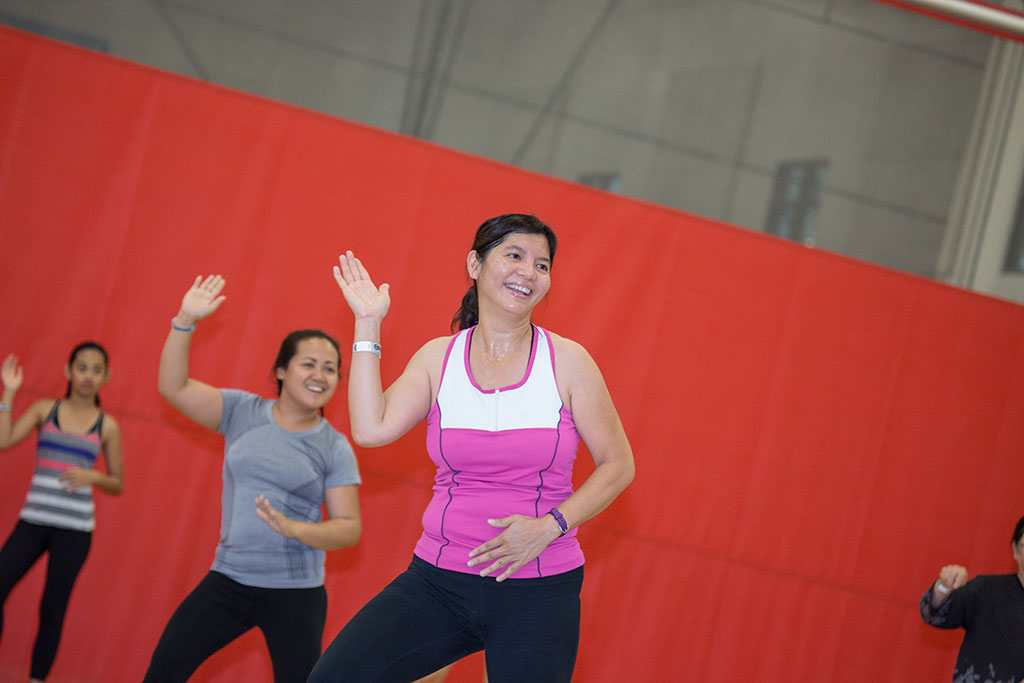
814	436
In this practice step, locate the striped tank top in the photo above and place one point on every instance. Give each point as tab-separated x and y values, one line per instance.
48	502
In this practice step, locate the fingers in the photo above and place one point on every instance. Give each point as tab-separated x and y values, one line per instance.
212	285
263	504
352	269
359	269
346	264
10	372
953	576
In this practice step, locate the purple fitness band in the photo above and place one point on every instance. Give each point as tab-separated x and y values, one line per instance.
562	526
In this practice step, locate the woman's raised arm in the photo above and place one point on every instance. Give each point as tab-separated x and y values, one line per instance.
378	417
199	402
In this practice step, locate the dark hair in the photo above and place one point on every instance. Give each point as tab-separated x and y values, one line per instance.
1018	531
290	346
71	361
490	234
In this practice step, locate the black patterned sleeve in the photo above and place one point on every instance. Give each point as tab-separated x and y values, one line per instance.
955	612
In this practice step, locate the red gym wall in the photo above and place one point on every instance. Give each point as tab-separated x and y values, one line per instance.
814	436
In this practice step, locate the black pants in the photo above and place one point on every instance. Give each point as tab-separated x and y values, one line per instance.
429	617
219	610
68	550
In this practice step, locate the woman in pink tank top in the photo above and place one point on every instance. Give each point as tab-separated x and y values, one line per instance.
506	403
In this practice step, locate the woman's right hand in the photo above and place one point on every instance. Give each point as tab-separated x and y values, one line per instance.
364	298
11	373
201	299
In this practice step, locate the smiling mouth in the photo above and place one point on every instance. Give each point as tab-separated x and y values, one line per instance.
525	291
315	389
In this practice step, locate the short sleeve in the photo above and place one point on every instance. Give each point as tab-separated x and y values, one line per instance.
241	410
342	468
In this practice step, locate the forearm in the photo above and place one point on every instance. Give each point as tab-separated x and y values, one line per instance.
109	483
6	422
173	373
330	534
365	391
607	481
939	596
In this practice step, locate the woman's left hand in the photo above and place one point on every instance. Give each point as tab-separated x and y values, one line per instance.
274	519
523	539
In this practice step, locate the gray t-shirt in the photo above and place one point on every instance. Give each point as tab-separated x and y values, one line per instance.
291	469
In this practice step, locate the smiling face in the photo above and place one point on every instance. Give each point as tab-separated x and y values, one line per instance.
311	375
86	373
516	273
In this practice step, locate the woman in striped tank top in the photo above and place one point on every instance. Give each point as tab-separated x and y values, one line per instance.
58	513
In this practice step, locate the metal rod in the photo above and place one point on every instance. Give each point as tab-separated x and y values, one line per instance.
1001	21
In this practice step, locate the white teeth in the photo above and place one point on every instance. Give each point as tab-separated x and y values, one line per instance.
317	389
520	288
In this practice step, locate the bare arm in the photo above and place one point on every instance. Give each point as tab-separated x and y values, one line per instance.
598	424
113	481
378	417
11	433
198	401
341	529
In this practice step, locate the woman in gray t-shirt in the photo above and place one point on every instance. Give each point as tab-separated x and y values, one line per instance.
282	460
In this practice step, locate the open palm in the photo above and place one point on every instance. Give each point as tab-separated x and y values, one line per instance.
364	298
203	297
10	373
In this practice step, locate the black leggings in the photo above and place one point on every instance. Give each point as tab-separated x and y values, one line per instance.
220	609
68	550
429	617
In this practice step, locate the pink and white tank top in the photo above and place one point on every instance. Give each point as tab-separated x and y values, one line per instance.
498	452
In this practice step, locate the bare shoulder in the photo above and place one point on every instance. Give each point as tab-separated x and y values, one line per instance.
110	426
575	370
427	363
41	408
571	356
432	353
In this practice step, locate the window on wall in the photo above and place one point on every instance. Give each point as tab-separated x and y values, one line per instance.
796	199
1015	254
604	181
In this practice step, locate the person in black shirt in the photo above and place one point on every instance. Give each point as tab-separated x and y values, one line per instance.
990	608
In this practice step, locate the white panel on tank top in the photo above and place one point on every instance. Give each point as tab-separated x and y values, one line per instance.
534	404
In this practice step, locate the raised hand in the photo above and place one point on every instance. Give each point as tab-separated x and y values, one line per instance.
11	373
201	299
953	576
364	298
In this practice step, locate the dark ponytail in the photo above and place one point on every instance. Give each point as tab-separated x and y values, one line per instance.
490	234
468	312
